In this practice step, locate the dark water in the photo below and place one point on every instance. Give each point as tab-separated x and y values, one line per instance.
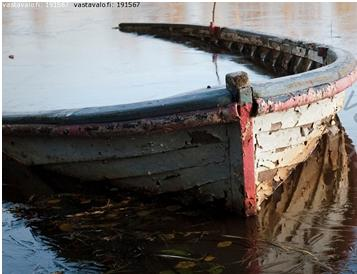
67	57
27	251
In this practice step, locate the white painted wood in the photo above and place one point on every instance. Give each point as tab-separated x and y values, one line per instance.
285	139
291	155
300	115
275	140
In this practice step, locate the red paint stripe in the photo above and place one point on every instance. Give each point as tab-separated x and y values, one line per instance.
250	204
313	95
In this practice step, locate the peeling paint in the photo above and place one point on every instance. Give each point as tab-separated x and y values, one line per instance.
169	123
311	95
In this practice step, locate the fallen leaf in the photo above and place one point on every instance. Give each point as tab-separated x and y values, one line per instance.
218	269
65	227
185	265
224	244
176	252
54	201
144	213
167	272
209	258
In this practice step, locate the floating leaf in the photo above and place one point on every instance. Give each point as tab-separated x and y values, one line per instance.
176	252
209	258
224	244
66	227
217	269
54	201
167	272
185	265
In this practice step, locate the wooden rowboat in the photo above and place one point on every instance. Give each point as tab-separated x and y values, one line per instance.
236	143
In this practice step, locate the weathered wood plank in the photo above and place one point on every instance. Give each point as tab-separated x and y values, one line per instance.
144	165
299	116
236	193
179	180
286	156
49	150
266	141
215	191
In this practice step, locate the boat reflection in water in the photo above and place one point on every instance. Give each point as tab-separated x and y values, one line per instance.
309	216
307	226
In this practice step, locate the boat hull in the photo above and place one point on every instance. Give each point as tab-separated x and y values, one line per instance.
237	143
206	158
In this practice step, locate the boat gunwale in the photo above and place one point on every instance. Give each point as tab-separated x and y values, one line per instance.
168	123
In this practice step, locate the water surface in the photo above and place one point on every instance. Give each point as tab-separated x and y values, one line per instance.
71	58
